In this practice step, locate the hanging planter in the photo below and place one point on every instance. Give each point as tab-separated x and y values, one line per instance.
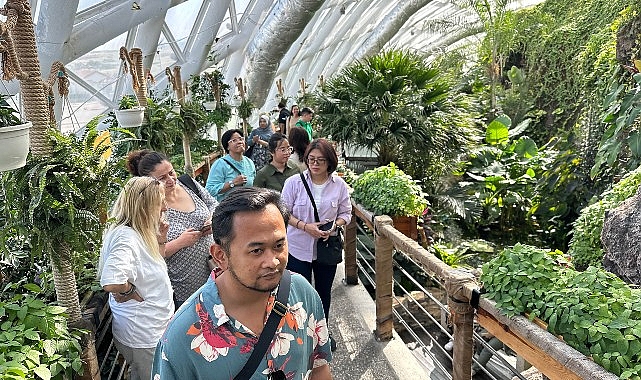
130	118
14	146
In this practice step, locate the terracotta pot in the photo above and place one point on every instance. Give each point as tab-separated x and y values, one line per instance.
130	118
14	146
407	225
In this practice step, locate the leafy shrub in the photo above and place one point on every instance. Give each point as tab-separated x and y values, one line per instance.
387	190
594	311
35	341
585	244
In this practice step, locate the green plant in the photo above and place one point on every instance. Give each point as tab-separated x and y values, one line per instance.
245	109
585	244
128	102
58	203
387	190
594	311
621	143
35	341
8	115
395	100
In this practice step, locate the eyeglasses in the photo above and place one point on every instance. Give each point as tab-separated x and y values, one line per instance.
165	177
285	150
317	161
155	182
236	140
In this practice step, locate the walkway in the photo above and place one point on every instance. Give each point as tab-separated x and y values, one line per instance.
359	355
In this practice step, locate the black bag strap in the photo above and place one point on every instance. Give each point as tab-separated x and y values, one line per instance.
232	166
311	198
186	180
275	316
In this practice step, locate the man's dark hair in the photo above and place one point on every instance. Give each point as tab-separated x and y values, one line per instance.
281	105
305	111
239	200
224	139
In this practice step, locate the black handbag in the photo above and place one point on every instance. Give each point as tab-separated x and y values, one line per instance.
330	251
250	150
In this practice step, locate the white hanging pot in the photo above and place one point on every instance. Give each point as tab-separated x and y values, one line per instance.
209	106
130	118
14	146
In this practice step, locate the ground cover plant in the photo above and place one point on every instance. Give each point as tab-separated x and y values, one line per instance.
594	311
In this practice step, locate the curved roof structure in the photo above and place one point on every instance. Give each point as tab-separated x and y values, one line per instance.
258	40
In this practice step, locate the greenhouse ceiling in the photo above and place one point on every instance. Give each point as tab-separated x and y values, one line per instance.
260	41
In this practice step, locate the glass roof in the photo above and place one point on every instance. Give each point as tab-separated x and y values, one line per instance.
259	40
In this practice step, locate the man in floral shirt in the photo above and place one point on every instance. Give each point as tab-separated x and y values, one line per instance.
214	332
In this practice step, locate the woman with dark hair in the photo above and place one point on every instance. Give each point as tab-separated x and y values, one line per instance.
259	139
331	196
233	169
132	270
293	117
298	140
189	211
274	174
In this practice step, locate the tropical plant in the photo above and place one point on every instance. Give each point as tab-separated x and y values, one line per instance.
499	180
128	102
35	339
58	204
387	190
594	311
8	115
191	121
585	244
621	143
391	101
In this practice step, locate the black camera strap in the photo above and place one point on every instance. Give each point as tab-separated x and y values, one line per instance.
311	198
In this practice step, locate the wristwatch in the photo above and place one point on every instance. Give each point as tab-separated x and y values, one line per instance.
231	184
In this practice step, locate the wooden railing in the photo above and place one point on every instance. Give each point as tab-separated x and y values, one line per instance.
203	167
548	354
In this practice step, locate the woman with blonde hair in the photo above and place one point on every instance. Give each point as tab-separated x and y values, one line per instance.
133	271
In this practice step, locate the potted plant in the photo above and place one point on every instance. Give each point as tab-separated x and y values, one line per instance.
387	190
14	138
129	113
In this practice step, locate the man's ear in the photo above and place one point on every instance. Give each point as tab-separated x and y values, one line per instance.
219	256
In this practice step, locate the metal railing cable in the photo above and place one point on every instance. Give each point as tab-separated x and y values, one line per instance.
366	270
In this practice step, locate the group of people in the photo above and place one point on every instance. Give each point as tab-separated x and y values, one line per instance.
255	225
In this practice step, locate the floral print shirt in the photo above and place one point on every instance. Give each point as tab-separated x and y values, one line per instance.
203	342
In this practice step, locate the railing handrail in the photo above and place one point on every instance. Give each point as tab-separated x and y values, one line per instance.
547	353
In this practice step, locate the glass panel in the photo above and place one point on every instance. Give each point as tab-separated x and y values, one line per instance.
81	112
84	4
180	20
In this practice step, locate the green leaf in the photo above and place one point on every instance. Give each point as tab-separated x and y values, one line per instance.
42	372
497	131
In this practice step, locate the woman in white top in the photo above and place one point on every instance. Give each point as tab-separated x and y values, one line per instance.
133	271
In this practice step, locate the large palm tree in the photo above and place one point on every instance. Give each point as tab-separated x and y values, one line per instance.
393	101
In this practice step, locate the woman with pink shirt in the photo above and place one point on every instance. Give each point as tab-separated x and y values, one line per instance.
331	197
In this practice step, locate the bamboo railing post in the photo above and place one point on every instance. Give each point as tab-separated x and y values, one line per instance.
462	317
383	249
351	268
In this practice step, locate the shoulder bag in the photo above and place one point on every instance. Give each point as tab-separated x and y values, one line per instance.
275	316
330	251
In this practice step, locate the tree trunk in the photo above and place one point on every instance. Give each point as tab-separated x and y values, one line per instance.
189	168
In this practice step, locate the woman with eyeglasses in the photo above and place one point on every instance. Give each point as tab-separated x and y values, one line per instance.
189	211
132	270
233	169
331	196
274	174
